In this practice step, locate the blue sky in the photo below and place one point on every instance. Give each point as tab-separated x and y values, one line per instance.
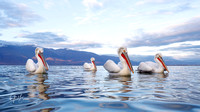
145	27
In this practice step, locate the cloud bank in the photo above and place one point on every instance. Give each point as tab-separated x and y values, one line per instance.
16	15
53	40
188	31
43	37
180	41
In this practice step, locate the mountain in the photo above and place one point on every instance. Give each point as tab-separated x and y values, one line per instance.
18	55
167	59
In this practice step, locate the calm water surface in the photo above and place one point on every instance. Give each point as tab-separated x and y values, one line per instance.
71	89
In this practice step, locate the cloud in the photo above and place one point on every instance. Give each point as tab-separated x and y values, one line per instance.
142	2
189	50
52	40
16	15
42	38
94	10
89	18
48	4
175	9
79	45
188	31
92	4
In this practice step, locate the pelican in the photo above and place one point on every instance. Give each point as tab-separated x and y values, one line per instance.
124	66
41	66
151	67
90	66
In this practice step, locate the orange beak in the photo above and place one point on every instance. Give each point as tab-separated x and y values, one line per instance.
163	63
43	61
125	56
94	64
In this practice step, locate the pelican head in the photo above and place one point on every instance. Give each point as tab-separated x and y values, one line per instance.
92	59
39	53
122	52
39	50
158	57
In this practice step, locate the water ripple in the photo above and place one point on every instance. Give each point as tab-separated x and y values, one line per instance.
73	89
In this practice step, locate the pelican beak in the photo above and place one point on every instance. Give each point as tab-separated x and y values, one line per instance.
94	64
43	61
125	56
163	63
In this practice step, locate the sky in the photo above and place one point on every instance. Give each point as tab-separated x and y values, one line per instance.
145	27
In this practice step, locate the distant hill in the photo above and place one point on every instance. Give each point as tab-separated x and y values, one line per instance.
168	60
18	55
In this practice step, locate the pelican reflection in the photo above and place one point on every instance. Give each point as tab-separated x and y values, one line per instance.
126	82
93	89
39	88
157	84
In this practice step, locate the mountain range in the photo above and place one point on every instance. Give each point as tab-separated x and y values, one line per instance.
11	54
18	55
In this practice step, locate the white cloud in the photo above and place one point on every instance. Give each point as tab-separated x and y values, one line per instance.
89	17
92	4
48	4
16	15
141	2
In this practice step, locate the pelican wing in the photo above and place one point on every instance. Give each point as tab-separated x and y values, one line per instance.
111	67
87	65
30	65
120	65
152	64
144	67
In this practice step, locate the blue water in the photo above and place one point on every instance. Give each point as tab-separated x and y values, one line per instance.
71	89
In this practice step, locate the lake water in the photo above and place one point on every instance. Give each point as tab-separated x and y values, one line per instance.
71	89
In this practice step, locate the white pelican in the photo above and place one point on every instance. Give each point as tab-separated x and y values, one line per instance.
124	66
151	67
90	66
41	66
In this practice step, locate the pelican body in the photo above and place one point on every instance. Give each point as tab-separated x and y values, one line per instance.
90	66
124	66
41	66
151	67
